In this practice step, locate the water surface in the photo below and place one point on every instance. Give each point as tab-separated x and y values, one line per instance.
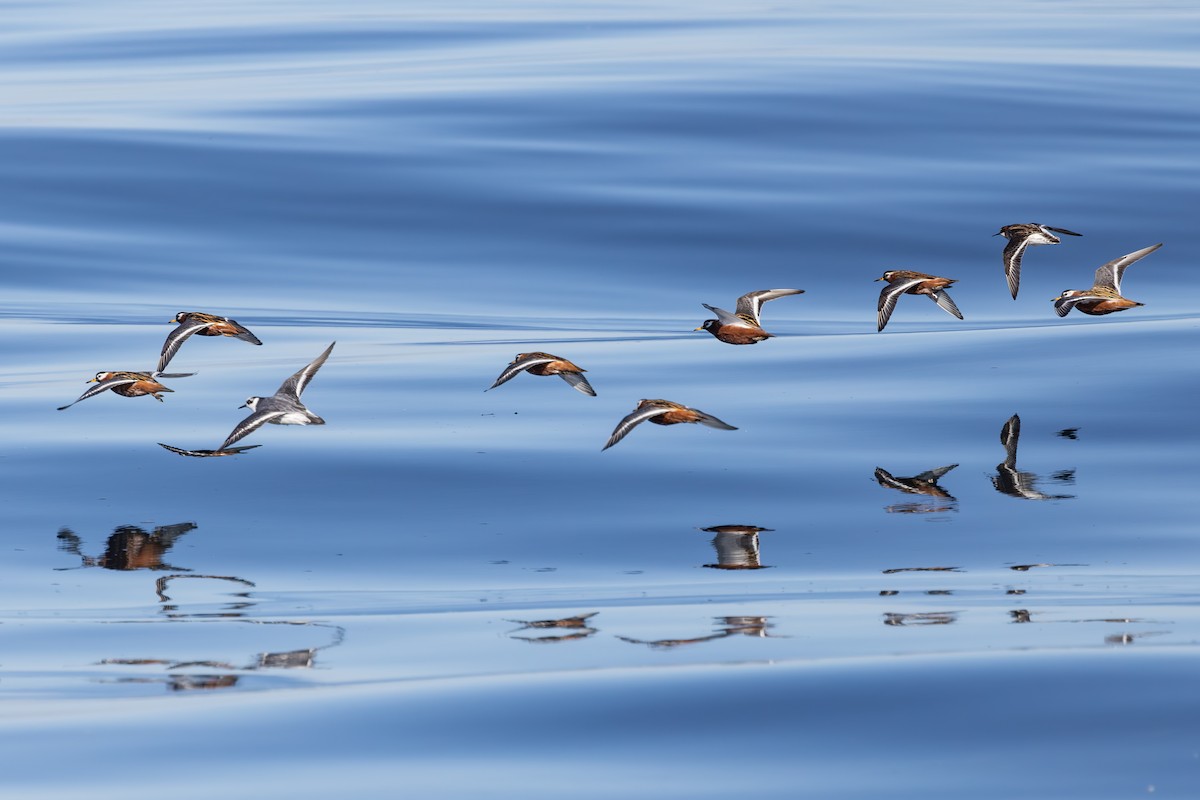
457	591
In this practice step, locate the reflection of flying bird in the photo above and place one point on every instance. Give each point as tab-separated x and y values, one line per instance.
662	412
1020	236
545	364
1105	295
754	627
1008	479
579	624
200	324
736	546
282	408
903	281
743	326
894	570
922	618
128	384
926	483
577	621
129	547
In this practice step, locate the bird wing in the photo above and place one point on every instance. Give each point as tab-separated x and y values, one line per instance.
1063	305
243	332
942	298
578	382
736	549
750	303
890	294
1061	230
1012	262
725	318
175	340
632	421
1109	276
886	478
232	451
937	472
518	366
295	385
712	422
1010	434
103	386
248	426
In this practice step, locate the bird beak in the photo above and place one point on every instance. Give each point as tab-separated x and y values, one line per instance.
243	405
94	380
997	233
698	329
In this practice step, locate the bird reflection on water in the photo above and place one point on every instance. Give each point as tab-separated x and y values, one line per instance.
129	547
921	618
579	624
1015	483
925	483
736	546
754	627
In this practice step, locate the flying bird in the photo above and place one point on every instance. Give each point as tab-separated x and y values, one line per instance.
903	281
1020	236
662	412
546	364
128	384
282	408
1105	295
200	324
743	326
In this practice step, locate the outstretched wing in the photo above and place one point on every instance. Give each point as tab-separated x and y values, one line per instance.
578	382
942	298
1012	262
1010	435
232	451
248	426
295	385
242	332
890	294
934	474
518	366
725	318
1063	305
1061	230
1109	276
103	386
712	422
175	340
632	421
750	304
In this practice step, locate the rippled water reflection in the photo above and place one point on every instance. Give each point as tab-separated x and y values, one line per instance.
854	585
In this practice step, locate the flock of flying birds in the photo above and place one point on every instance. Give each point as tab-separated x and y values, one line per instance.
743	326
282	408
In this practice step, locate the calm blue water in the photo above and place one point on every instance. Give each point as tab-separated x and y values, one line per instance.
367	605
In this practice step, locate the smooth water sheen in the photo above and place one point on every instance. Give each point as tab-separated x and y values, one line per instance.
444	592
